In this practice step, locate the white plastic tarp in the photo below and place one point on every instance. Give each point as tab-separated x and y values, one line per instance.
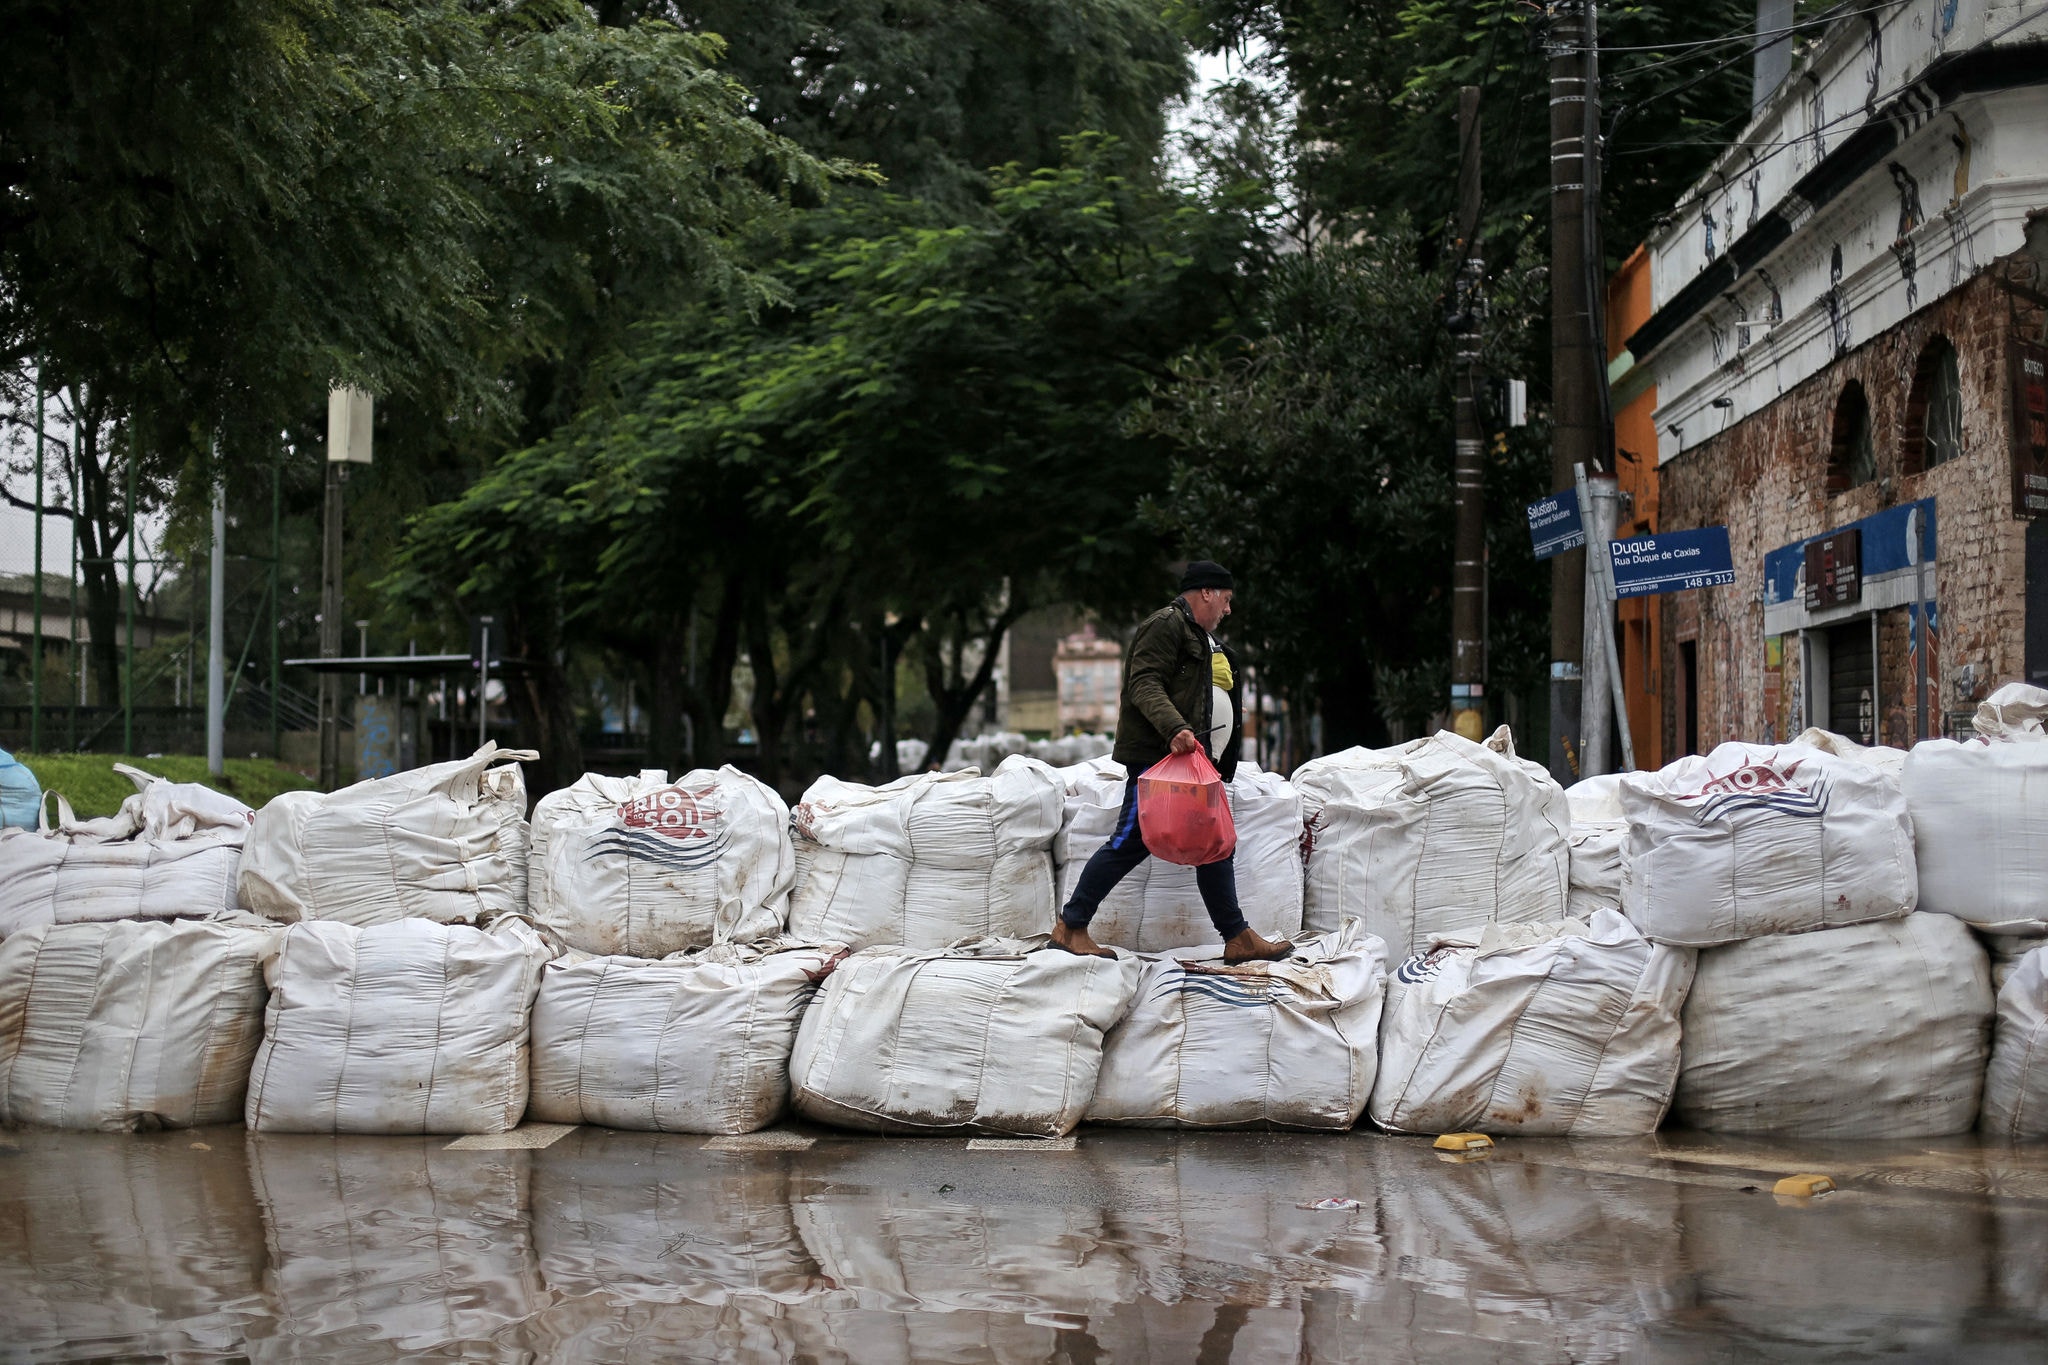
1158	908
170	852
927	860
994	1036
647	867
1564	1029
410	1027
132	1024
2016	1082
1871	1031
695	1043
445	842
1980	817
1291	1044
1755	839
1433	837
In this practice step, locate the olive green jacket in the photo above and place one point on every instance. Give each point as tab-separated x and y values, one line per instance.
1168	687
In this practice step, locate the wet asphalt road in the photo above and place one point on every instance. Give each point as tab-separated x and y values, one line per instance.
1132	1246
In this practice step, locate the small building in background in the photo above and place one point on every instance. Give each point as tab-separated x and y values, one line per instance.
1090	674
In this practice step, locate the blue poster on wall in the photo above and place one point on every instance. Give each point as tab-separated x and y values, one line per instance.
1672	562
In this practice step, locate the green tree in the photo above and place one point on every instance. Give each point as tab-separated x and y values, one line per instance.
927	441
1314	459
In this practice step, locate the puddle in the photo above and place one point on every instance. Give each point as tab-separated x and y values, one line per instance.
1134	1246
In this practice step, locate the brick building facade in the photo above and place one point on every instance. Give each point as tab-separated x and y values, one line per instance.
1832	357
1775	479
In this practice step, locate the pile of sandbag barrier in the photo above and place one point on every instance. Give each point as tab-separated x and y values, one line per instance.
1799	939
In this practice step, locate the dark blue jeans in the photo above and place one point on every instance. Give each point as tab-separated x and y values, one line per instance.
1113	862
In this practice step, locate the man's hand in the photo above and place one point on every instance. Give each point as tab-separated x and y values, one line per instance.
1184	741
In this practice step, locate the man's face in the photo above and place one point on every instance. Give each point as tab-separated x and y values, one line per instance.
1210	606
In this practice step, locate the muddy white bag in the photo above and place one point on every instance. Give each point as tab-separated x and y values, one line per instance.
1290	1044
1980	817
130	1025
1157	908
1874	1030
1755	839
997	1036
1566	1029
1432	837
695	1043
665	867
591	797
172	851
1599	828
409	1027
927	860
445	842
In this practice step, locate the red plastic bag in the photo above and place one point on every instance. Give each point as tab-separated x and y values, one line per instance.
1184	811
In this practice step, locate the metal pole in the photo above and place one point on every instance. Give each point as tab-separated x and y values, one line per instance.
216	638
35	657
276	517
1603	705
362	652
483	687
77	687
330	630
1915	538
1577	369
1468	468
128	660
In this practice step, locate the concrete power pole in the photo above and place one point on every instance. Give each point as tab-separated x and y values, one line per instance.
216	637
1468	555
1577	368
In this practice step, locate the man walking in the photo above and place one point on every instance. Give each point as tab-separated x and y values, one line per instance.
1181	693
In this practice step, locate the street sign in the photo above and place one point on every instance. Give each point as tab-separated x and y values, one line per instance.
1554	524
1672	562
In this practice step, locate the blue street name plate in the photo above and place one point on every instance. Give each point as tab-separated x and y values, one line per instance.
1672	562
1554	524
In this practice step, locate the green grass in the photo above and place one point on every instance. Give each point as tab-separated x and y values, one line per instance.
91	785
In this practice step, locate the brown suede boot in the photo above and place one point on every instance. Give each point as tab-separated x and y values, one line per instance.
1076	941
1250	947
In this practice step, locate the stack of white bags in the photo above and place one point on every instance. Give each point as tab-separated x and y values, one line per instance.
1765	939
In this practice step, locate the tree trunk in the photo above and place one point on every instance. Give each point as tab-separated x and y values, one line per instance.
954	696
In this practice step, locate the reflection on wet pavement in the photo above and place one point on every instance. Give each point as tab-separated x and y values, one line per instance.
1135	1246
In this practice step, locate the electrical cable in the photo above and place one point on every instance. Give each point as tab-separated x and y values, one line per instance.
1755	38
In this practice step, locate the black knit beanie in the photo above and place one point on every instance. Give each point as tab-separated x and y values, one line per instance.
1205	573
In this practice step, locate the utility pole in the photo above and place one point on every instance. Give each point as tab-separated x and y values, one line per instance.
1468	469
35	654
1577	369
348	442
216	636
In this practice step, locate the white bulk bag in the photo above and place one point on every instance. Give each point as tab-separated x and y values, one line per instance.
1599	827
2015	711
1754	839
2016	1082
1432	837
1566	1029
1290	1044
695	1043
411	1027
1158	907
445	842
130	1025
1883	757
170	852
590	797
991	1036
1874	1030
1980	822
927	860
653	868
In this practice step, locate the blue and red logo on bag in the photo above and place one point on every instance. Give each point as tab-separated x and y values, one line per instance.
1762	786
675	828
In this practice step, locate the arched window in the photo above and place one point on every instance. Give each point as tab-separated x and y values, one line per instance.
1934	408
1852	454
